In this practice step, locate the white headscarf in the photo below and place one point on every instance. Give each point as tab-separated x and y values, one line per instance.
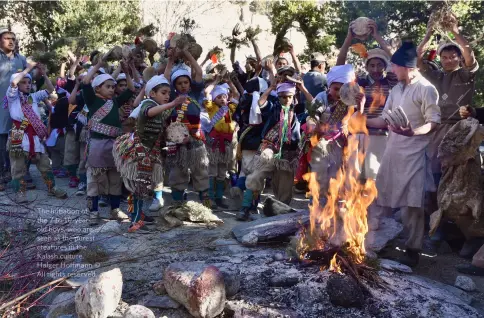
180	72
121	77
341	74
153	82
17	74
255	117
219	90
100	79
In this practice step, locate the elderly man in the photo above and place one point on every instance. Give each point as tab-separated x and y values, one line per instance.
455	84
10	63
404	174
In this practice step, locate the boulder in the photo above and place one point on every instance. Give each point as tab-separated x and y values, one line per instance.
63	304
197	286
465	283
138	311
270	228
100	296
159	288
231	280
163	302
344	291
273	207
286	279
387	231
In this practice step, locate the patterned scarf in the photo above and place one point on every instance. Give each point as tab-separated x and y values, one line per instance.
284	128
32	117
218	116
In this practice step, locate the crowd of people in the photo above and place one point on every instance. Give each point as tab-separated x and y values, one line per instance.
115	130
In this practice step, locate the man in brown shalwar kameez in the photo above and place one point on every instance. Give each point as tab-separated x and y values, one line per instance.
405	172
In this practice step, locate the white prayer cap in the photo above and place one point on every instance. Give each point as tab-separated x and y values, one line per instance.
100	79
101	70
180	72
341	74
153	82
121	77
219	90
17	74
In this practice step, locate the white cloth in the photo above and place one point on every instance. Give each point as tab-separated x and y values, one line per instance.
135	112
341	74
16	74
153	82
255	117
405	173
52	140
101	70
219	90
100	79
16	113
121	76
180	72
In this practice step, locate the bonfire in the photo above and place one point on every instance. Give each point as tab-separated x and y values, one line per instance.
335	238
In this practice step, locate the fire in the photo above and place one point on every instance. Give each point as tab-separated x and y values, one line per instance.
342	221
333	265
378	99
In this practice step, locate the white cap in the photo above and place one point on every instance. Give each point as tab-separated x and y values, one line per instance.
153	82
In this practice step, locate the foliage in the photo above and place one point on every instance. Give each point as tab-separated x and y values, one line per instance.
326	23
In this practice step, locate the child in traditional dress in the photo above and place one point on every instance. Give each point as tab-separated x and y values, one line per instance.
103	127
188	152
28	132
219	141
138	154
277	155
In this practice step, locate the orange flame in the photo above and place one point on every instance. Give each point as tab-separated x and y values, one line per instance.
342	221
334	266
378	99
360	49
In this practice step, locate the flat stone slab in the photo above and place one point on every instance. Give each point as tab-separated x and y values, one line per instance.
388	230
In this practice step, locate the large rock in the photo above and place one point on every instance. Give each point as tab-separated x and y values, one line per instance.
100	296
270	228
198	287
273	207
465	283
344	291
387	231
231	280
63	304
394	266
286	279
138	311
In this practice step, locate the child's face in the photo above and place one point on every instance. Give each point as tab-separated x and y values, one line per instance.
182	85
25	85
221	100
334	90
161	95
121	86
286	98
281	63
106	89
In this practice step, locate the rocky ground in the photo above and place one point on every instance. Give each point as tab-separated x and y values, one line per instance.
260	281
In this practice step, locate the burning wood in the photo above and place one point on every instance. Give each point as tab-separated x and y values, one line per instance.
335	238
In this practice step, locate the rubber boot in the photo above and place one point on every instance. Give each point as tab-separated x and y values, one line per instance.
116	213
244	213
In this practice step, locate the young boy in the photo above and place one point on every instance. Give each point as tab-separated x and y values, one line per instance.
220	130
28	133
138	154
190	154
103	127
277	155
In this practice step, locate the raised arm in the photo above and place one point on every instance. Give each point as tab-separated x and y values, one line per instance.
153	111
263	98
139	98
48	84
233	89
169	66
343	51
195	67
377	36
72	69
22	74
63	70
422	47
258	55
129	79
117	71
72	97
305	92
468	54
90	75
295	60
134	71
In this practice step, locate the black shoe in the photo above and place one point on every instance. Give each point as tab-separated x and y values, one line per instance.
243	215
470	248
410	258
301	187
220	203
470	269
147	219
